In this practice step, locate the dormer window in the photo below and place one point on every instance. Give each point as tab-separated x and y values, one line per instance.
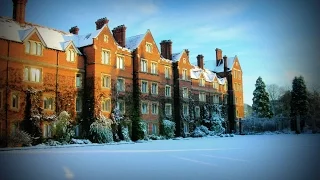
33	48
201	82
215	85
149	47
71	55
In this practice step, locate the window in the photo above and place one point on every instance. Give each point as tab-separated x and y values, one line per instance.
78	104
202	97
167	72
121	106
215	85
34	48
105	38
197	111
32	74
144	108
1	102
154	88
144	86
48	103
15	101
71	55
105	81
236	100
226	86
184	74
154	108
105	57
185	109
186	127
120	62
201	82
168	91
185	92
154	68
167	109
154	129
46	130
120	84
225	100
106	105
78	80
216	99
149	47
144	65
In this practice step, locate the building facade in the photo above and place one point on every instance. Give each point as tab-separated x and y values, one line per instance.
46	71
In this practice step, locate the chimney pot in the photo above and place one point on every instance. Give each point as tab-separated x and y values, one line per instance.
74	30
119	34
101	22
218	56
200	61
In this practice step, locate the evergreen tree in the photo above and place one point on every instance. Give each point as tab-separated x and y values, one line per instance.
261	104
299	100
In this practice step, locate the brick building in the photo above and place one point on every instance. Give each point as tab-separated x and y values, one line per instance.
46	71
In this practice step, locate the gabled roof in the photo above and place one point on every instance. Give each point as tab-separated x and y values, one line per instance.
53	39
220	67
134	41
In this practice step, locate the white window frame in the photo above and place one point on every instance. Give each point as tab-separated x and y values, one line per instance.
106	105
144	65
167	105
202	97
120	101
185	93
167	93
17	103
105	60
184	74
215	85
154	67
121	87
202	82
120	62
197	111
185	107
33	48
78	104
71	55
146	86
149	47
104	81
105	38
154	91
50	100
154	129
156	106
79	80
142	107
216	99
167	72
32	74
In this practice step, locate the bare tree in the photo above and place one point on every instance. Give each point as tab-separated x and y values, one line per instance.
275	92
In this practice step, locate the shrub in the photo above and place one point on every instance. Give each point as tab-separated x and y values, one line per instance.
204	129
19	138
125	133
143	126
101	131
62	128
168	128
197	133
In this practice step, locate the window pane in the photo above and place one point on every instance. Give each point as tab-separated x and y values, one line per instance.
39	49
33	48
26	74
27	47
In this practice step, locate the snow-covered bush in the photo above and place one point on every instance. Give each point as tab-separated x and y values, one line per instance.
259	125
168	128
204	129
125	133
80	141
155	137
144	126
20	138
198	133
62	129
101	131
216	126
53	143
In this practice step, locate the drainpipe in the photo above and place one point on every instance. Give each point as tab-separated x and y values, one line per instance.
57	71
7	92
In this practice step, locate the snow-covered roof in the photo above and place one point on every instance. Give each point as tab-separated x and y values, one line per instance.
220	67
134	41
208	75
176	56
53	39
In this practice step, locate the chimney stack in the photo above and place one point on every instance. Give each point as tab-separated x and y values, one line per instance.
187	51
119	34
74	30
225	64
19	10
100	22
166	49
200	61
218	56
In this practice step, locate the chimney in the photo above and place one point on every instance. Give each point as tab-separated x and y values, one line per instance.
19	10
74	30
225	64
200	61
163	48
100	22
119	34
187	51
166	49
218	56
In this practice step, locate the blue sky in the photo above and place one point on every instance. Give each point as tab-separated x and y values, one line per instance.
272	39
